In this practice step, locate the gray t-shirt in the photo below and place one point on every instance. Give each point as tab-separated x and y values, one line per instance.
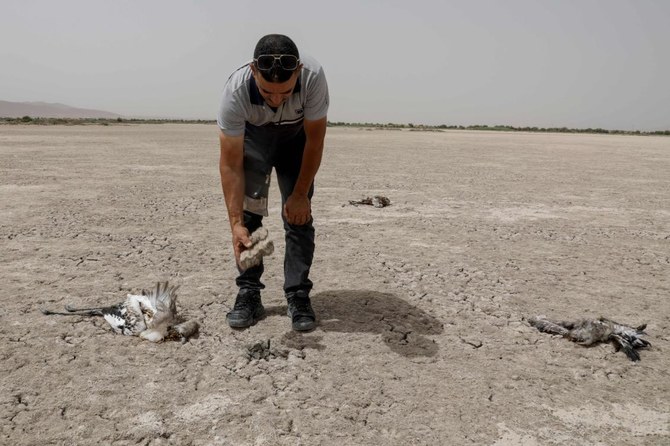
242	103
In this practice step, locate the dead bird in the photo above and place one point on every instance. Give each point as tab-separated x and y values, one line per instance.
261	246
151	315
592	331
377	201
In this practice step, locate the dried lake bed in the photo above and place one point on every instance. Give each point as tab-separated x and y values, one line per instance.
422	336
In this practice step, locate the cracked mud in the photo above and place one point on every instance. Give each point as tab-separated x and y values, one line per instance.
421	305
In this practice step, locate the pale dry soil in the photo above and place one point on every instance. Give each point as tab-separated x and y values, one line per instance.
422	337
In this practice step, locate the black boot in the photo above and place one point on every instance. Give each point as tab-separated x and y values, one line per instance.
300	311
247	310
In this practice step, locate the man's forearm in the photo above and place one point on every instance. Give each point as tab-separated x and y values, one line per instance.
232	183
232	177
315	132
311	161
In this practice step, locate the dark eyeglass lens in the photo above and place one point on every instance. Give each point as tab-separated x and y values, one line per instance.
265	62
288	62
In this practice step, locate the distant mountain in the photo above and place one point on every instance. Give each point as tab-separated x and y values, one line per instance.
49	110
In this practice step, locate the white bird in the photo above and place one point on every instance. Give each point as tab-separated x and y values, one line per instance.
152	315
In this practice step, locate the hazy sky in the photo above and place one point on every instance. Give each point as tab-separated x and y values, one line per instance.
574	63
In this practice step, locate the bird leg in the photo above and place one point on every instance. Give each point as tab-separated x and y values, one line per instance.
72	311
75	312
548	326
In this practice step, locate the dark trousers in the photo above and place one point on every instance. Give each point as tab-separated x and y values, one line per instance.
282	149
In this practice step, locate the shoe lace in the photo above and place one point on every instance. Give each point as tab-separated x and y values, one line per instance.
244	302
301	305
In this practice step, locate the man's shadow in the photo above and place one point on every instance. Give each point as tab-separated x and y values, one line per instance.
403	327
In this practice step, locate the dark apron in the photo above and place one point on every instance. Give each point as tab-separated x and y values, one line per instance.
261	149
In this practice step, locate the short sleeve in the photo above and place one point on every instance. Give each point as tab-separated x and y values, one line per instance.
231	117
317	99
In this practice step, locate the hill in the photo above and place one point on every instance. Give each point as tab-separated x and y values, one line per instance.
50	110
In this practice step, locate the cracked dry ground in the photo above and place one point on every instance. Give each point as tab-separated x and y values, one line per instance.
422	337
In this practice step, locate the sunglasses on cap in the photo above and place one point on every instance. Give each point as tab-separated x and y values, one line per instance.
287	62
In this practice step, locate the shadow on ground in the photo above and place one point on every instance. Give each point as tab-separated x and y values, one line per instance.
402	326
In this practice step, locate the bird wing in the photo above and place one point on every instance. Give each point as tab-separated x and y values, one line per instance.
163	297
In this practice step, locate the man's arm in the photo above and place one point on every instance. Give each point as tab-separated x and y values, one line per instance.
231	168
297	208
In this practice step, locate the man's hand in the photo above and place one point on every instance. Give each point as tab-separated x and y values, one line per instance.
241	241
297	210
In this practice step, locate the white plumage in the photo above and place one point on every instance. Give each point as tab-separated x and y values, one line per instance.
152	315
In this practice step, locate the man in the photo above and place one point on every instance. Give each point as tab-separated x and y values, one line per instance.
273	114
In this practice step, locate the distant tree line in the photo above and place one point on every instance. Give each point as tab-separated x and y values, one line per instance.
499	128
371	125
99	121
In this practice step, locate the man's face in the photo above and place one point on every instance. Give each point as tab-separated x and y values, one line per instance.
275	93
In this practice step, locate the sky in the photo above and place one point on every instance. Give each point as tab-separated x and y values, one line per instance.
567	63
